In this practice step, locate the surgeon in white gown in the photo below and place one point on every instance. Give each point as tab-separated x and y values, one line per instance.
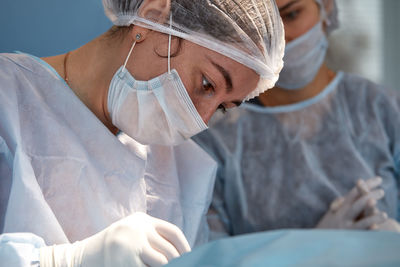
95	165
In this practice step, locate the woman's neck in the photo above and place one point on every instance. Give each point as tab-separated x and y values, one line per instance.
90	69
279	96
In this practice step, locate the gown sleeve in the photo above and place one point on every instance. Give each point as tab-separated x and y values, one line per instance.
397	146
20	249
397	141
217	216
391	120
16	249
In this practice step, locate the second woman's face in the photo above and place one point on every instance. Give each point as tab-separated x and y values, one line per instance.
298	16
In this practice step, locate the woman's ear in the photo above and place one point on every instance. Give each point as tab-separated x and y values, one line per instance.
155	10
329	5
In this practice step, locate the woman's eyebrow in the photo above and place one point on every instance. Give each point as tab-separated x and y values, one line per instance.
288	5
225	73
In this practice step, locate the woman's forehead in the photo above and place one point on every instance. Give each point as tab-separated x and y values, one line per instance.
282	3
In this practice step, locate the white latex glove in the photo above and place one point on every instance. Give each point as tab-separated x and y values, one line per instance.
365	187
137	240
357	209
390	225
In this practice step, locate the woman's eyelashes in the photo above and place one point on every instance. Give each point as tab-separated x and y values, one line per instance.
222	108
291	15
207	87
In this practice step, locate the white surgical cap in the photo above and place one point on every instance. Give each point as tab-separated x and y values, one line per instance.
331	17
247	31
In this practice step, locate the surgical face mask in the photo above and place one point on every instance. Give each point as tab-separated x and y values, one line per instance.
303	59
158	111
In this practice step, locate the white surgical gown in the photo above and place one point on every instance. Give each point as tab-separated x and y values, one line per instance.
65	177
281	167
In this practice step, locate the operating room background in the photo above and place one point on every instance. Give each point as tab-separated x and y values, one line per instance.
368	39
367	42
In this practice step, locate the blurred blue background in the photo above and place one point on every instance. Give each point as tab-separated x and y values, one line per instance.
49	27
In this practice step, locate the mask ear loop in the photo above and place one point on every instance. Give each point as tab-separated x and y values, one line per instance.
169	44
138	37
127	58
323	14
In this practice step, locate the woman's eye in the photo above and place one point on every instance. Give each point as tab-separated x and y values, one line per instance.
292	15
207	87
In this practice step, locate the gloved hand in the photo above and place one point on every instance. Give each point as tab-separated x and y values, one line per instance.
357	209
137	240
390	225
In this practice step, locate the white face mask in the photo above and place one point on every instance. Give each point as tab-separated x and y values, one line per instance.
158	111
303	59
